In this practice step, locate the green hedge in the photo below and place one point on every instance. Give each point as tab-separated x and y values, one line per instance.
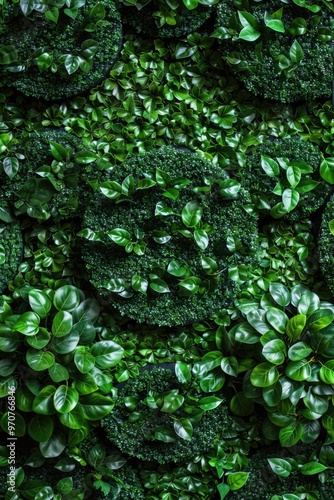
11	250
145	277
157	418
283	178
268	65
49	180
36	73
326	245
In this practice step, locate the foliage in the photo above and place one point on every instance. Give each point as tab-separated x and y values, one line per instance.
51	177
166	20
276	474
279	51
325	248
156	246
283	178
11	246
157	417
55	56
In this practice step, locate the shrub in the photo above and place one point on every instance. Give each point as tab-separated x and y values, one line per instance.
157	19
278	51
157	418
283	178
263	483
62	53
11	247
326	244
161	235
49	180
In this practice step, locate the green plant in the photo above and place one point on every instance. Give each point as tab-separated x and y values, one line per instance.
155	242
161	417
11	246
51	179
283	178
53	56
279	51
325	248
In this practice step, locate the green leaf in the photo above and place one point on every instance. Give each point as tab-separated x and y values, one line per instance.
54	446
66	298
183	428
277	318
293	174
128	185
189	286
59	152
159	286
209	265
96	406
298	370
308	303
319	320
119	236
295	326
236	480
139	284
107	353
201	238
88	48
280	293
327	170
311	468
264	375
8	54
275	351
40	428
229	188
172	402
11	166
43	402
182	371
71	63
209	403
229	365
296	52
161	237
327	372
290	198
298	26
191	214
62	324
280	466
111	189
39	360
66	344
241	406
65	399
299	351
84	157
276	25
290	435
84	361
58	373
27	324
270	166
39	302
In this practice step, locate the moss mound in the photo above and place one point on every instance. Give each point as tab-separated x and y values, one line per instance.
326	245
144	421
143	22
49	182
259	65
35	35
145	279
11	251
294	173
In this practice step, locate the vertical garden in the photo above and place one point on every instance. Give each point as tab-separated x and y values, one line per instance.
166	250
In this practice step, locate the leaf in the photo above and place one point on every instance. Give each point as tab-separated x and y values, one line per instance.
191	214
327	372
66	298
59	152
295	326
119	236
62	324
270	166
290	198
182	371
139	284
107	353
201	238
296	52
299	351
39	360
277	318
71	63
11	166
280	466
293	174
183	428
236	480
85	157
264	375
54	446
327	170
298	370
209	403
65	399
229	188
280	294
39	302
41	428
241	406
8	54
276	25
290	435
274	351
172	402
27	323
311	468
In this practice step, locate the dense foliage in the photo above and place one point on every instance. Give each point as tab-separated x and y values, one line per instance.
62	53
68	355
158	418
157	245
11	251
278	49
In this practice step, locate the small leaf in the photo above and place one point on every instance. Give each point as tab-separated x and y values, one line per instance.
270	166
183	428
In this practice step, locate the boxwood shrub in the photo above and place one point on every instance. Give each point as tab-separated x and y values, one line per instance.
326	244
49	180
62	53
165	237
144	23
157	418
283	178
11	250
287	60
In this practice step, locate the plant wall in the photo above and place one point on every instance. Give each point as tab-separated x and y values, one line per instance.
166	225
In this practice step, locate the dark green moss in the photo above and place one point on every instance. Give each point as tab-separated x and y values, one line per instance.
143	22
65	37
326	245
44	186
310	80
136	437
256	180
228	218
11	249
